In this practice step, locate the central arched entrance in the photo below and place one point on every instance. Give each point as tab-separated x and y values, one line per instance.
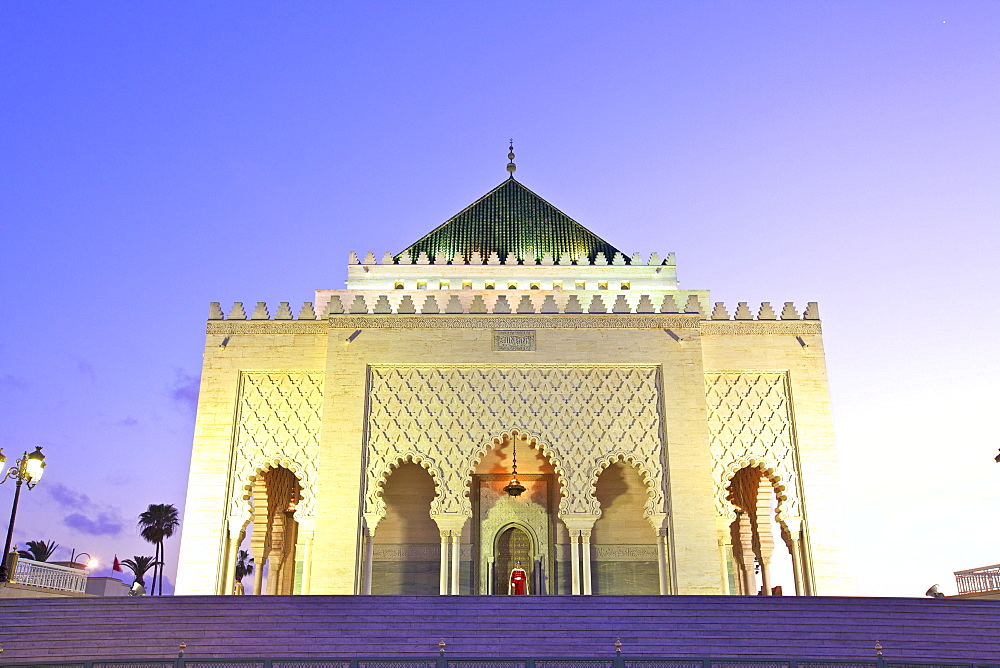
507	528
513	544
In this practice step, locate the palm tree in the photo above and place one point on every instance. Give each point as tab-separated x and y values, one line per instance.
139	566
244	564
156	524
38	550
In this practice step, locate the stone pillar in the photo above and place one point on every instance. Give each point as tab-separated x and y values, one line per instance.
258	576
661	560
455	560
764	543
306	533
793	548
743	549
587	577
727	559
579	526
574	559
229	553
450	525
444	563
369	538
808	573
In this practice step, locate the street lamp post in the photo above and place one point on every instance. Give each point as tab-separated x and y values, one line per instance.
89	563
26	470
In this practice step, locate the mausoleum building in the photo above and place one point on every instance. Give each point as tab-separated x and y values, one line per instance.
365	441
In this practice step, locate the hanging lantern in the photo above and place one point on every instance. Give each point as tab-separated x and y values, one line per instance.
514	487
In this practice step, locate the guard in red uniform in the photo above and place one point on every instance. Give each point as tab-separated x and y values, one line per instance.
518	580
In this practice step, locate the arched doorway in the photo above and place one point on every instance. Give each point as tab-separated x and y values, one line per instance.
756	566
532	514
275	493
513	544
623	544
406	550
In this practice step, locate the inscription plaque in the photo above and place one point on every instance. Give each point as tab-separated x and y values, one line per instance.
516	340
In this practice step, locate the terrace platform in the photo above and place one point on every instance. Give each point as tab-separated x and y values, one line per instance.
347	627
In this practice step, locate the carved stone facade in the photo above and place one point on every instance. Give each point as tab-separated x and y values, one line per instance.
751	425
620	395
446	417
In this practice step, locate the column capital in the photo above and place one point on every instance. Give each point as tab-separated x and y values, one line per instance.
579	521
449	523
236	525
658	521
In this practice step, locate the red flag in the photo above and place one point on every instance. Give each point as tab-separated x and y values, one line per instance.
117	566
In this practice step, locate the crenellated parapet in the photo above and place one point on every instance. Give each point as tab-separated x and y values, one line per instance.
494	259
513	303
493	271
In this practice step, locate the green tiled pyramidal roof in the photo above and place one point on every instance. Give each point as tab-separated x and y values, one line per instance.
512	219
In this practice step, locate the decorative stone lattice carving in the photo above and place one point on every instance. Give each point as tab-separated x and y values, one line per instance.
446	418
278	424
751	425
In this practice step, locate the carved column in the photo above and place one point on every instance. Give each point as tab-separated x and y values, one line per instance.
662	549
743	551
764	539
444	562
306	533
579	526
450	525
260	540
234	536
369	538
574	556
455	559
794	549
288	554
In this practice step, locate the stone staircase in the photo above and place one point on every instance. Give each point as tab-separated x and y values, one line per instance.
102	629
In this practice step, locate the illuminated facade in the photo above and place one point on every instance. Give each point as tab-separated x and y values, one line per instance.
364	441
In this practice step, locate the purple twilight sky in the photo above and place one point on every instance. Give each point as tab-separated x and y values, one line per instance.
158	156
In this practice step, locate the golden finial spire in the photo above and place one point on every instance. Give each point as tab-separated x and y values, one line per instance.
511	167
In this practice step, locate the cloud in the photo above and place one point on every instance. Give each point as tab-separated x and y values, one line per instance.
106	524
86	369
66	497
184	391
127	422
9	382
88	517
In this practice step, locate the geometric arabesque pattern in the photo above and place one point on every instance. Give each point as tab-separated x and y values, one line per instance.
750	424
279	415
446	417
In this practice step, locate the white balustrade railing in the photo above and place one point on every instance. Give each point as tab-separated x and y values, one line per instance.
49	576
978	580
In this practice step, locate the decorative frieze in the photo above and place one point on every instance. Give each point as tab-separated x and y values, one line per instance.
514	322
